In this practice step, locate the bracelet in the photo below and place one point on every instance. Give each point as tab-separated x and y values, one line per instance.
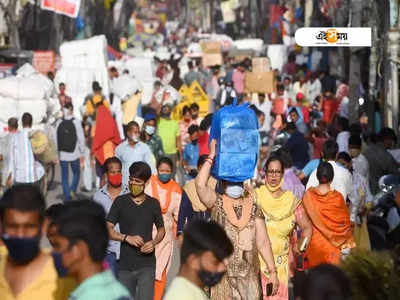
211	158
273	271
124	240
209	161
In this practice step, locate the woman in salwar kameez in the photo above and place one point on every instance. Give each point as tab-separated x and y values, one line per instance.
237	212
282	211
169	194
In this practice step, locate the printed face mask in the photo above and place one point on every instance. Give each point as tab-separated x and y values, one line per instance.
136	189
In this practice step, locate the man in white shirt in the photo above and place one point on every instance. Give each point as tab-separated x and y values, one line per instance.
314	88
205	246
342	125
23	168
265	105
342	180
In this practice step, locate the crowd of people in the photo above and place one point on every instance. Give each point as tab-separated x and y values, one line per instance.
305	208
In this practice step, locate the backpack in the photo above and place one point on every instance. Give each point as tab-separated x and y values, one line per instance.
66	136
235	127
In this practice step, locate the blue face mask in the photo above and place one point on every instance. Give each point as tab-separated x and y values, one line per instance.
234	191
164	178
59	265
21	250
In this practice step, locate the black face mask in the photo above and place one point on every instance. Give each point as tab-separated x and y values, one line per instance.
194	142
210	279
21	250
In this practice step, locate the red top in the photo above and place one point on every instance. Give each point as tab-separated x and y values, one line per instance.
329	108
203	143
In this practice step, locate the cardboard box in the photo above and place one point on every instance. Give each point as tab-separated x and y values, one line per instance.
210	47
261	64
259	82
212	59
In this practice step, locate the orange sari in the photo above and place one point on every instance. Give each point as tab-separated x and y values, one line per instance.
331	227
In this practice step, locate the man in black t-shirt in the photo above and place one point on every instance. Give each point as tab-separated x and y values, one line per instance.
136	213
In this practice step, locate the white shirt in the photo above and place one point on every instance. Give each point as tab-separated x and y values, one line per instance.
266	109
342	140
79	150
23	166
361	165
342	180
313	90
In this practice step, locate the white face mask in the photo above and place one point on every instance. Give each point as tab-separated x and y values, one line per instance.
135	138
150	130
234	191
65	112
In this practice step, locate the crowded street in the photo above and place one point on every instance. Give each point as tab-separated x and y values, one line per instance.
199	150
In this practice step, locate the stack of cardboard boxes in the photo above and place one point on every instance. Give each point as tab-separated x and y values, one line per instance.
261	78
212	53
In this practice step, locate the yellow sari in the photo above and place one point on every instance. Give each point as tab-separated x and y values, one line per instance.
280	221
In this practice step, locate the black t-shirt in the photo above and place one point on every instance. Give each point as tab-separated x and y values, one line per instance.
135	219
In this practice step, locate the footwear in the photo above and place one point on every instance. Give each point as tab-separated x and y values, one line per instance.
85	190
74	196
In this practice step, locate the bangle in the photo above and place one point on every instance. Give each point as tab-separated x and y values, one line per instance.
209	157
124	240
273	271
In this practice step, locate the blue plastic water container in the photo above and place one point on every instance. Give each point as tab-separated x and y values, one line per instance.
235	128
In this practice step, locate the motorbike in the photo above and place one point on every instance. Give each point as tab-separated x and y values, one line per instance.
384	218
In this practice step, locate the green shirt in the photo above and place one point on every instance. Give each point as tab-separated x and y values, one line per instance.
156	146
183	289
168	130
102	286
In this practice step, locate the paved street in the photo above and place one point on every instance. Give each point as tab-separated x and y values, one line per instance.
55	196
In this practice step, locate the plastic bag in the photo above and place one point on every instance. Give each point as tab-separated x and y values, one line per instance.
235	128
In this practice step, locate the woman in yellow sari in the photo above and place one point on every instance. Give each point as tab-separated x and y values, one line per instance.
332	230
282	211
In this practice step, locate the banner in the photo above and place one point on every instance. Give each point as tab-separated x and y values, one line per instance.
333	37
68	8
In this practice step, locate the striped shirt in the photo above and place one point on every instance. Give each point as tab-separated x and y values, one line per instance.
23	166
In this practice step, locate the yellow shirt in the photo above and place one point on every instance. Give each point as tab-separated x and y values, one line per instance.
183	289
46	287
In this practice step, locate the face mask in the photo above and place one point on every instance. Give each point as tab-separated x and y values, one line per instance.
210	279
62	270
164	178
195	116
228	89
134	138
65	112
21	250
115	179
194	142
150	130
136	189
234	191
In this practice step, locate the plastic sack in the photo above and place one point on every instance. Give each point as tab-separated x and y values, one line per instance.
235	128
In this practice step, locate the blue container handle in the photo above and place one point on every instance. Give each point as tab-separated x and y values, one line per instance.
234	101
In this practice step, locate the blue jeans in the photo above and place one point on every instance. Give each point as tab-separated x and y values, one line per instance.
76	173
111	259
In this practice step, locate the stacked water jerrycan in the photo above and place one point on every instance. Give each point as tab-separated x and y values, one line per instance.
235	128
